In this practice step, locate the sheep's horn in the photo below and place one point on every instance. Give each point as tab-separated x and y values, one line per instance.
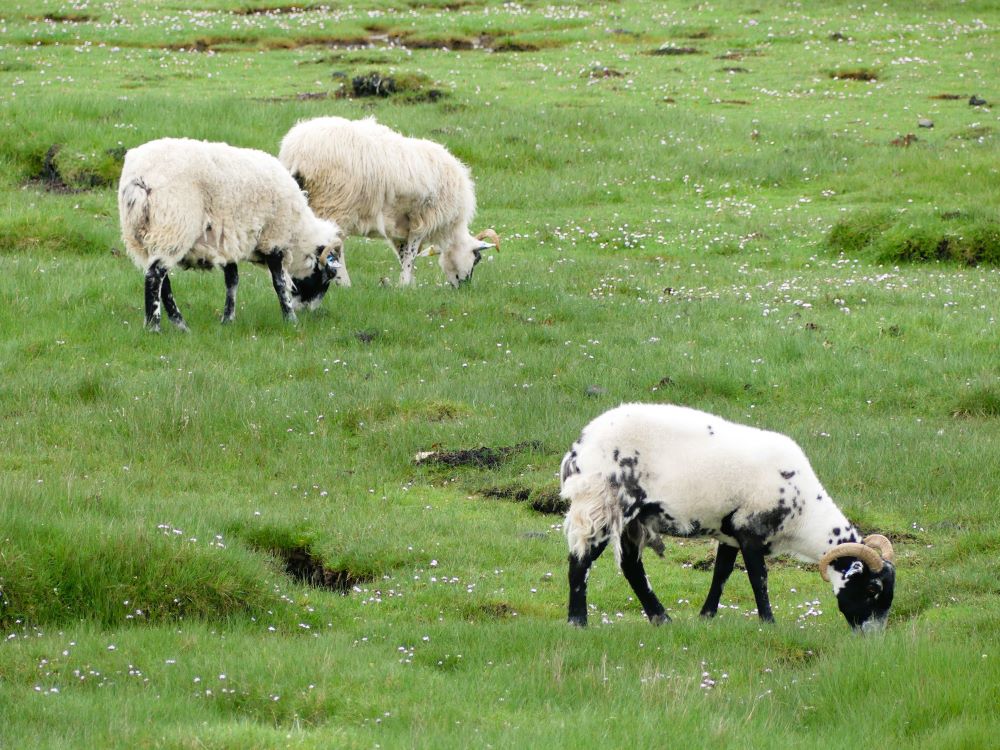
490	236
867	555
882	544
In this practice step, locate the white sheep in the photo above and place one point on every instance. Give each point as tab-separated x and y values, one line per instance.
642	470
375	182
200	204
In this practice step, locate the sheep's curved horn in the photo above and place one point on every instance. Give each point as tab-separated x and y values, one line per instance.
882	544
490	236
869	556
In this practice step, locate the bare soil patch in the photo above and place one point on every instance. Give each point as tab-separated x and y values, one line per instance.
307	568
482	457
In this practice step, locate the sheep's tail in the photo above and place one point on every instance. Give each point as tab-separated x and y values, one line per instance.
594	514
133	205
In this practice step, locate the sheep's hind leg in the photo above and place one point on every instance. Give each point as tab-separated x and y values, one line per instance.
170	305
280	282
725	559
407	252
635	574
753	556
155	275
232	281
579	569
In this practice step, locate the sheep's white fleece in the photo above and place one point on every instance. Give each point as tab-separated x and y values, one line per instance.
201	202
699	468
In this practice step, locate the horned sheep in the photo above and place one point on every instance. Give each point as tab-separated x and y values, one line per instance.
200	204
375	182
642	470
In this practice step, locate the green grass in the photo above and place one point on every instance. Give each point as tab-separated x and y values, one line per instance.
731	229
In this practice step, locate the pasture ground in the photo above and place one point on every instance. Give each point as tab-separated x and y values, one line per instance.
222	539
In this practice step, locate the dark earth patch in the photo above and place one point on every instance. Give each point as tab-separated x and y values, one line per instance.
670	50
546	500
739	54
306	567
451	5
483	457
50	178
855	74
64	18
49	175
366	336
412	87
602	71
697	34
278	10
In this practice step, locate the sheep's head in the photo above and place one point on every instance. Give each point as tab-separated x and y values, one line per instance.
459	260
863	578
327	263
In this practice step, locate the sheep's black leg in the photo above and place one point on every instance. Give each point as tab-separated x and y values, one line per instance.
170	305
579	569
725	559
753	556
232	281
155	275
635	574
280	281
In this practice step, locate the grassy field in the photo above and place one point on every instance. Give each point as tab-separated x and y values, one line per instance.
222	539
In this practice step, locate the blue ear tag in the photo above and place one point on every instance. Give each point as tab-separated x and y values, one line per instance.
332	263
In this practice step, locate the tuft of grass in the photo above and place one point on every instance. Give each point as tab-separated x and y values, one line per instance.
967	237
979	402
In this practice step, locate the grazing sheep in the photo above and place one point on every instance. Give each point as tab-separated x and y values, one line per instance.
199	204
642	470
375	182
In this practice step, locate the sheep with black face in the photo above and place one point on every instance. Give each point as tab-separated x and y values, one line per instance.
643	470
204	205
375	182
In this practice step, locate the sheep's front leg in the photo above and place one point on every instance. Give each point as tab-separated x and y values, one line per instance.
170	305
343	278
753	556
725	559
407	251
635	574
280	280
155	275
579	570
232	281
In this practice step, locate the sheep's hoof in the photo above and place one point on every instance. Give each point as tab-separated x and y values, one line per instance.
578	622
659	619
